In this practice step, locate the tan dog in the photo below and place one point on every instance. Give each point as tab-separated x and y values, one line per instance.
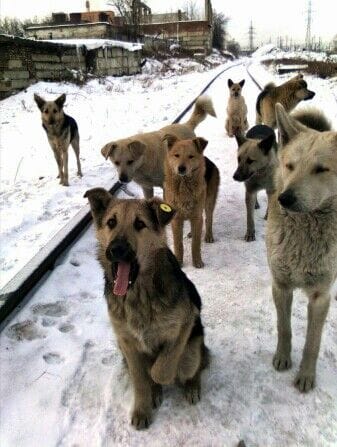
289	94
302	236
236	121
141	157
154	308
61	130
191	186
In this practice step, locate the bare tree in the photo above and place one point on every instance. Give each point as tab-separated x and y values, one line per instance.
16	27
192	10
220	22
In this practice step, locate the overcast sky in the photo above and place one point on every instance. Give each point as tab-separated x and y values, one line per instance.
270	17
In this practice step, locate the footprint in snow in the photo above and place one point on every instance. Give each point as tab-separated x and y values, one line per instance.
57	309
53	358
26	330
66	327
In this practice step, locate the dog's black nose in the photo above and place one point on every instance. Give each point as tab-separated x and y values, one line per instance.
236	94
124	178
118	250
236	176
287	198
182	169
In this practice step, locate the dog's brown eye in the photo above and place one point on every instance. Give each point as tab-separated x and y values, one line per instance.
139	224
117	163
130	162
249	161
191	156
177	155
46	112
112	222
319	169
290	166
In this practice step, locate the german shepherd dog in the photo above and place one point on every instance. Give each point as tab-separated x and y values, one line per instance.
257	160
61	130
141	157
190	186
236	121
154	308
289	94
302	237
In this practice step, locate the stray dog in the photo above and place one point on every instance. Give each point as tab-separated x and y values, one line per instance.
289	94
236	121
302	237
141	157
61	130
190	186
257	160
154	308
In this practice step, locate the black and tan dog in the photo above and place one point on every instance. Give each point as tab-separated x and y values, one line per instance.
154	308
289	94
61	130
190	186
257	160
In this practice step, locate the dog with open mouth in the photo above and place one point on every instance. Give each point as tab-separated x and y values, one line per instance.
154	308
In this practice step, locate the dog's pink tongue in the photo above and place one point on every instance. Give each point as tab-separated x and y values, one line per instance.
122	279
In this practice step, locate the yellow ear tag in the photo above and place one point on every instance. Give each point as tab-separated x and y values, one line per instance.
165	207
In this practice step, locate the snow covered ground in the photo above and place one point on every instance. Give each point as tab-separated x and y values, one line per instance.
62	378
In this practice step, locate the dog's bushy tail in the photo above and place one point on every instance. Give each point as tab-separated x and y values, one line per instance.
312	118
202	107
267	89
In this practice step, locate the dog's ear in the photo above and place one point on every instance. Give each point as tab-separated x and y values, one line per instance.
242	83
240	138
230	83
286	125
170	140
161	212
60	101
108	149
137	148
200	144
39	101
99	200
266	144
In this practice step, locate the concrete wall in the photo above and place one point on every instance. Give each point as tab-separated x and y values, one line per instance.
80	31
194	35
23	62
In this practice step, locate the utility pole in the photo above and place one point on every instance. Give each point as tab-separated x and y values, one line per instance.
251	34
308	31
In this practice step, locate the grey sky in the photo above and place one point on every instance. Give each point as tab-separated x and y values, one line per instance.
270	18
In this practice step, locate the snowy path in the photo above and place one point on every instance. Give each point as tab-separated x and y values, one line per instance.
62	378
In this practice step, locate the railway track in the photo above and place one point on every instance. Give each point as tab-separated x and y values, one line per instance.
19	289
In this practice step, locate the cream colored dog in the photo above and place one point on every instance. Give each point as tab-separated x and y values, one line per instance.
236	122
302	236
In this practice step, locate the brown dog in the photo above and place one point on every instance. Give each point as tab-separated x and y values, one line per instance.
61	130
289	94
190	186
236	122
154	308
141	157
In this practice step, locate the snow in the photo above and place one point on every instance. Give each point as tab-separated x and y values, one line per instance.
62	378
92	44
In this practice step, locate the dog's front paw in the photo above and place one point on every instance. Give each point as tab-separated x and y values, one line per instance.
141	419
198	264
209	238
192	393
281	362
162	374
250	236
305	381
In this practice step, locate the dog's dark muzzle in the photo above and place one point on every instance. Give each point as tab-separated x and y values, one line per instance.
310	95
240	176
124	178
120	250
